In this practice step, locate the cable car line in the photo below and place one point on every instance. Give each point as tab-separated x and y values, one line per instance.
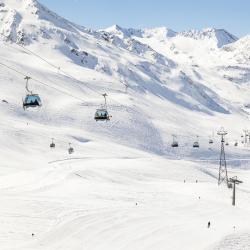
52	145
77	80
58	68
103	114
42	83
181	145
51	64
70	149
196	144
30	51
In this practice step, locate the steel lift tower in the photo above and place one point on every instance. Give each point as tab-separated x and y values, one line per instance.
235	181
223	177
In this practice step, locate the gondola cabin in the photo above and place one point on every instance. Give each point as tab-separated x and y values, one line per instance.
71	149
52	144
32	101
175	144
102	115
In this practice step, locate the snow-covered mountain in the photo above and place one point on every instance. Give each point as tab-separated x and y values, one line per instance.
125	187
240	50
160	33
218	37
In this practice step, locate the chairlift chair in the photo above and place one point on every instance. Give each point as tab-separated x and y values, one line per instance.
196	143
71	149
211	141
175	143
52	144
31	100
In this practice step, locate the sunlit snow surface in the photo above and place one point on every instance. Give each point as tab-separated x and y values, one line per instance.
124	188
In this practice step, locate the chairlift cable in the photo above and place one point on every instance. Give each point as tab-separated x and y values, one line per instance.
58	68
42	83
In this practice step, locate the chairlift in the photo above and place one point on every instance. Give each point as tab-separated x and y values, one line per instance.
102	114
175	142
211	141
196	143
31	100
71	149
227	144
52	144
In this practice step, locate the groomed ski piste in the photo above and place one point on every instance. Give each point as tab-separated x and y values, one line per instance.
124	187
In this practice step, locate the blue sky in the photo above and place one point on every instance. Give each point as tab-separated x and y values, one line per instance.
233	15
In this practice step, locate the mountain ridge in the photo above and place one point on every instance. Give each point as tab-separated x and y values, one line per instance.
221	36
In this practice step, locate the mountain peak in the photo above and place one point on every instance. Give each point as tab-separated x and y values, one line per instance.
25	20
217	37
160	32
123	32
20	4
220	37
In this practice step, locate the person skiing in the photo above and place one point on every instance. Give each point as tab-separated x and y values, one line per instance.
208	224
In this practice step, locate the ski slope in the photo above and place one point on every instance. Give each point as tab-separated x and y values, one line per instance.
125	187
